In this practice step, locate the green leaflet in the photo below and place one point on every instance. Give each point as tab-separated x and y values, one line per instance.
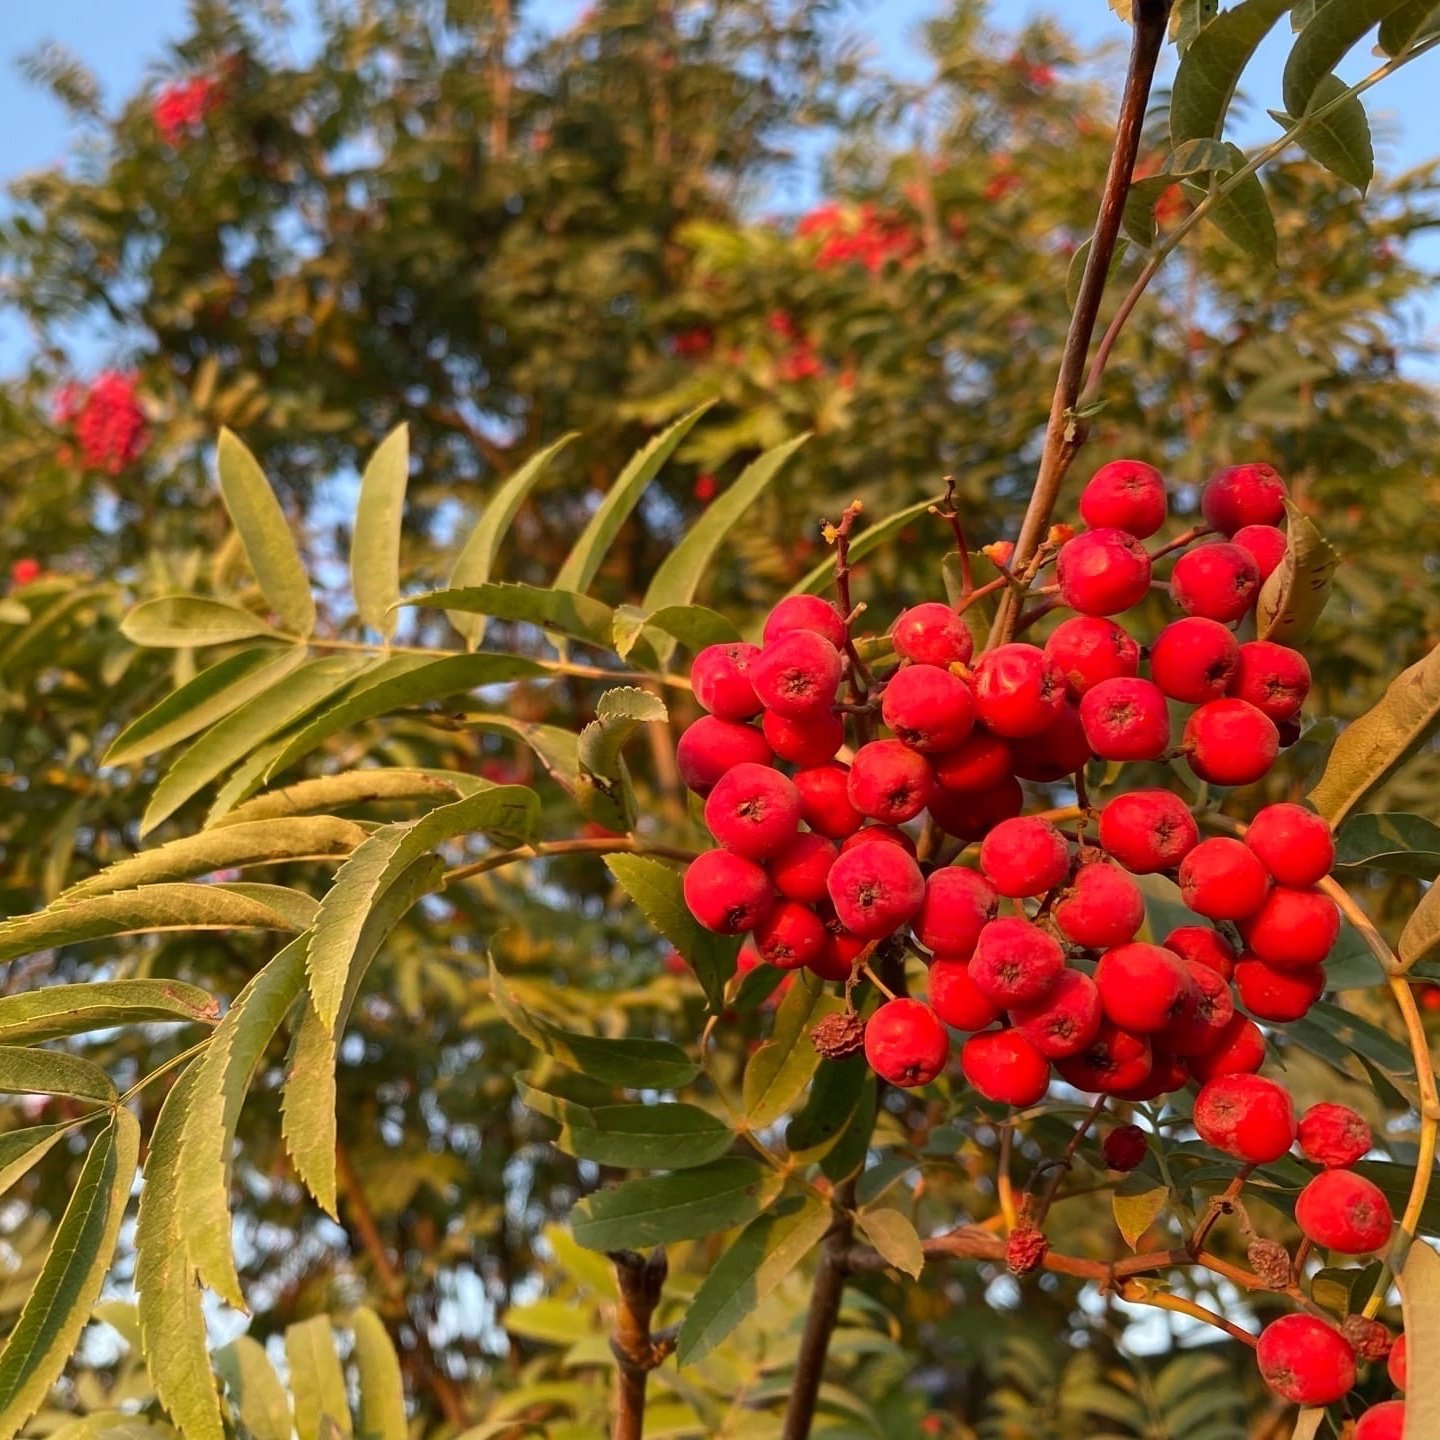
603	785
895	1238
254	1389
20	1150
375	542
579	616
1295	593
180	621
316	1379
349	788
382	1390
59	1010
1324	42
1338	139
779	1071
1210	71
52	1072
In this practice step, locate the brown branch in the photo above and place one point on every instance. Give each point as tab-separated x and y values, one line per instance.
637	1351
820	1323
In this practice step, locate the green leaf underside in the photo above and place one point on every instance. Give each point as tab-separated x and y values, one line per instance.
382	1388
25	1071
1340	139
375	541
1400	843
1332	32
1407	23
180	621
1206	81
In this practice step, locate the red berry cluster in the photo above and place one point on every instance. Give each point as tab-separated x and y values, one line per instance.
857	235
107	421
181	108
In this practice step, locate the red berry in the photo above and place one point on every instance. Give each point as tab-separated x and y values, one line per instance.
1089	649
1397	1366
1274	678
1304	1360
1277	995
1219	582
711	747
1148	830
797	674
1246	1116
837	959
1202	1023
1018	690
955	998
1265	545
1240	1051
825	801
753	811
1102	572
875	889
1015	962
1167	1075
1059	750
932	634
1343	1211
959	903
1333	1135
1230	742
721	677
1385	1421
1194	660
1142	987
1293	928
1066	1021
1125	1148
810	740
1243	495
1126	720
1223	879
887	833
790	935
905	1043
1005	1067
1295	845
726	893
1126	494
1205	946
981	763
928	708
1103	907
889	781
799	871
1024	856
1114	1060
805	612
972	816
25	571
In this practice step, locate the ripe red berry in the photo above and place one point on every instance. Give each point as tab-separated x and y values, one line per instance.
790	935
1246	1116
972	816
836	961
905	1043
981	763
797	674
1126	494
1148	830
1305	1360
1333	1135
1277	995
1243	495
1265	545
799	871
1219	582
1015	962
1102	907
1126	720
1205	946
825	801
1293	928
1223	879
1066	1021
928	708
726	893
1274	678
956	999
1059	750
1295	845
958	904
1024	856
1089	649
1398	1366
1142	987
754	811
887	833
875	889
722	681
1240	1051
1202	1023
1230	742
1194	660
889	781
711	747
1343	1211
1167	1075
811	740
1385	1421
1114	1060
1018	690
1005	1067
1125	1148
805	612
932	634
1102	572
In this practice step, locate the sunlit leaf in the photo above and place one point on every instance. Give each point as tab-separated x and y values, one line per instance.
375	543
184	620
316	1380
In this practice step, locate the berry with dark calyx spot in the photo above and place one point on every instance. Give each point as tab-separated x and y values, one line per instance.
1385	1421
972	816
889	781
1334	1135
1015	962
1222	879
805	612
1293	929
956	999
1278	995
1204	945
1115	1060
797	675
875	889
712	747
1305	1360
754	811
1201	1025
1024	856
1274	678
1127	495
1089	649
1265	545
1218	582
811	740
1398	1365
1005	1067
886	833
1246	1116
1018	690
958	905
1295	845
980	763
790	935
825	801
1125	1148
1271	1263
1102	572
838	1035
1148	830
1025	1249
1230	742
799	871
722	680
1126	720
1057	751
1240	1051
932	634
1345	1212
1369	1339
928	708
1066	1021
905	1043
1142	987
1102	907
726	893
1243	495
1194	660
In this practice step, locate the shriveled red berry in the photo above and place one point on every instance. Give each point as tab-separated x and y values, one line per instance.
1015	962
1066	1021
1265	545
1018	690
980	763
1025	1249
1219	582
810	740
1334	1135
1277	995
1102	572
1305	1360
1293	929
889	781
1398	1366
722	680
1089	649
955	997
932	634
790	935
1059	750
972	815
1102	907
1223	879
1230	742
1343	1211
711	747
1369	1339
1205	946
1240	1051
1115	1060
825	800
1243	495
805	612
1126	494
1202	1023
1295	845
1125	1148
1126	720
800	870
1194	660
1274	678
928	708
875	889
1142	987
958	904
1246	1116
754	811
1385	1421
726	893
797	674
1148	830
1024	856
905	1043
1005	1067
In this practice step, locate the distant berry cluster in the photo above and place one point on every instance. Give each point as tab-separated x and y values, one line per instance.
106	421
